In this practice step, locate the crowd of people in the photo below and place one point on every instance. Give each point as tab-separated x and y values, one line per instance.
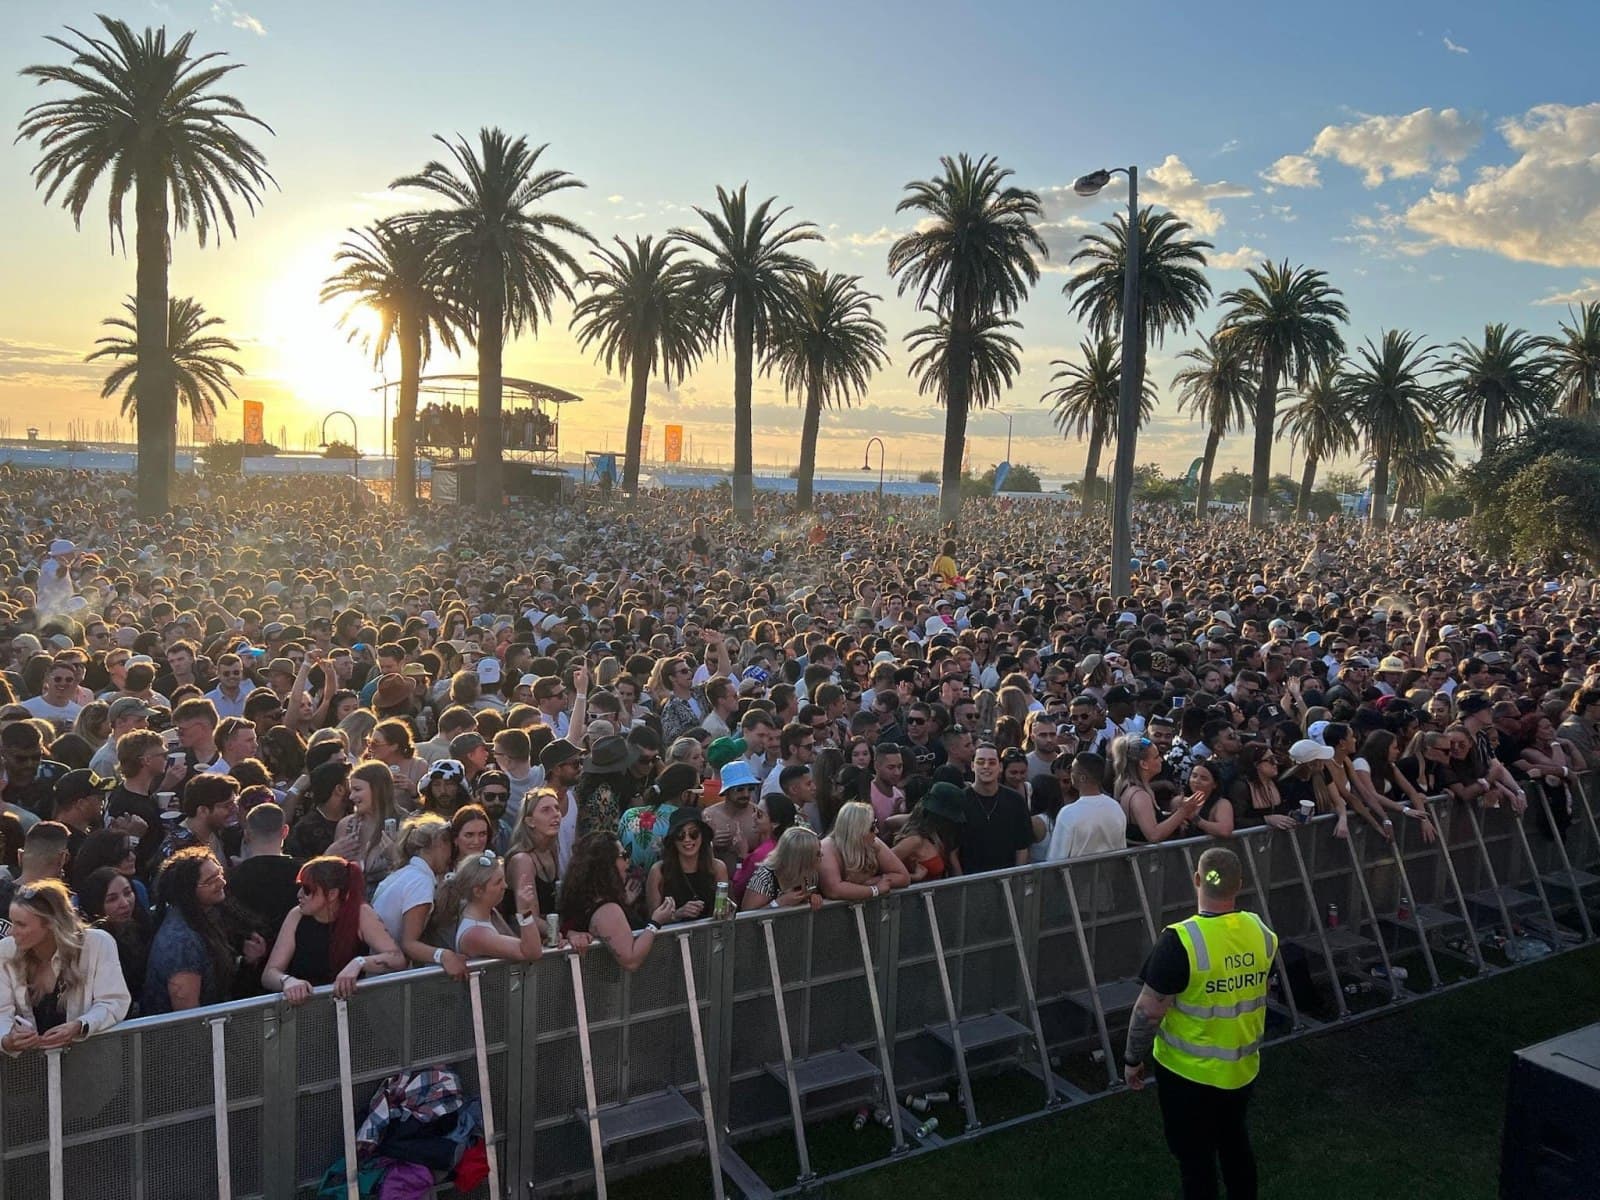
285	739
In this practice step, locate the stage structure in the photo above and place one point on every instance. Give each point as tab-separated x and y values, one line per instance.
447	432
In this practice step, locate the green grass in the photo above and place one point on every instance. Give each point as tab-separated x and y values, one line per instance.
1408	1105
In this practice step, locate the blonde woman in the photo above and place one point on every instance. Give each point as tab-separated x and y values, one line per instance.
790	875
59	982
465	918
404	900
364	835
856	865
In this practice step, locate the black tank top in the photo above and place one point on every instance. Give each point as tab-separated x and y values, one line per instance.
310	959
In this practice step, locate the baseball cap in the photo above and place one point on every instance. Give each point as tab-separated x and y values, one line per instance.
1306	750
124	707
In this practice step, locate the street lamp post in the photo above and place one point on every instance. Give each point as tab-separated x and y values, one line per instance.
355	436
866	464
1132	383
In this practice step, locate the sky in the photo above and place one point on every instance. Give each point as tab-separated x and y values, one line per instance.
1440	161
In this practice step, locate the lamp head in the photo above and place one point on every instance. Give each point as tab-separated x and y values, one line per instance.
865	465
1090	184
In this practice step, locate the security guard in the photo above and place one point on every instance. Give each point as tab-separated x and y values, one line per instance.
1201	1017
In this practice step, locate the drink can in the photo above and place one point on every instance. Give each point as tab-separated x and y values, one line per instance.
926	1128
1403	911
917	1104
723	906
552	931
937	1097
861	1118
1333	916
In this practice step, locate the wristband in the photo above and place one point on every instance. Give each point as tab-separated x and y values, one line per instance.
438	956
651	926
526	919
360	963
874	891
287	980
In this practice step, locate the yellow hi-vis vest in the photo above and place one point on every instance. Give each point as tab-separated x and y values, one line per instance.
1212	1033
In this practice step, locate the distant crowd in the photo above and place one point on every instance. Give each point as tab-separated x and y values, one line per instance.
284	738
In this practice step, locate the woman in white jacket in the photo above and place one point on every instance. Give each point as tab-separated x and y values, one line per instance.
59	981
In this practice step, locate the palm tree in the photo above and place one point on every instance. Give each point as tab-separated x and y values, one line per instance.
748	287
1218	390
499	259
146	117
1086	403
992	355
1575	361
200	372
1393	404
970	261
1319	426
1422	465
1173	285
388	269
643	311
1499	387
826	351
1289	323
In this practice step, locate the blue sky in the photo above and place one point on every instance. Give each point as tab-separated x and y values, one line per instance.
1438	161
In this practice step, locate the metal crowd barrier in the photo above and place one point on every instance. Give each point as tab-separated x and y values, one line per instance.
1008	991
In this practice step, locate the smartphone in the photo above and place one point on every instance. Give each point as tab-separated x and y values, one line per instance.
1178	702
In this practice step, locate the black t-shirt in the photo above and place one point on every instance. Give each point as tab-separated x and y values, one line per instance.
996	828
263	890
120	802
312	835
1166	967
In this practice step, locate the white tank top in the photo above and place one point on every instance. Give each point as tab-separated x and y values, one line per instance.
470	923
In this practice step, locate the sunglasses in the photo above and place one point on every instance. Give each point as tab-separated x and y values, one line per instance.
495	795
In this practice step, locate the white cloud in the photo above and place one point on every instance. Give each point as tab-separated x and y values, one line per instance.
1585	293
1453	47
880	236
1227	147
1233	260
1173	185
1294	170
1542	208
225	10
1400	147
1382	234
613	199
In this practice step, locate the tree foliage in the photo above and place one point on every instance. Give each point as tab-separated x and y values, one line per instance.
1488	482
1552	511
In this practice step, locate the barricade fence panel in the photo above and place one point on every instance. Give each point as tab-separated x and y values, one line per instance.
1052	947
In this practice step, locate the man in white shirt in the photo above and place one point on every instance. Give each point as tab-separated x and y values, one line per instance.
57	703
1092	824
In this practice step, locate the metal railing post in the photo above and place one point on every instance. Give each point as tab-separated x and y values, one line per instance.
592	1115
707	1109
885	1051
796	1108
1488	865
1443	845
1358	869
1416	906
950	1008
347	1116
219	1100
1533	870
1316	922
480	1050
1566	865
1248	843
52	1085
1025	967
1093	978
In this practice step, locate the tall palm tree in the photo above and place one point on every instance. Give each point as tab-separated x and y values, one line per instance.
1289	322
499	258
1172	280
388	269
826	351
1086	402
1394	404
1218	390
1575	361
147	118
971	261
643	311
992	358
200	372
1422	465
1498	387
748	286
1319	425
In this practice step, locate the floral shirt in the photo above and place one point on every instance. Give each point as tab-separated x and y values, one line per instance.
642	831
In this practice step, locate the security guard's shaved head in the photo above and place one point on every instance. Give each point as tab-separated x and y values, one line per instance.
1219	873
